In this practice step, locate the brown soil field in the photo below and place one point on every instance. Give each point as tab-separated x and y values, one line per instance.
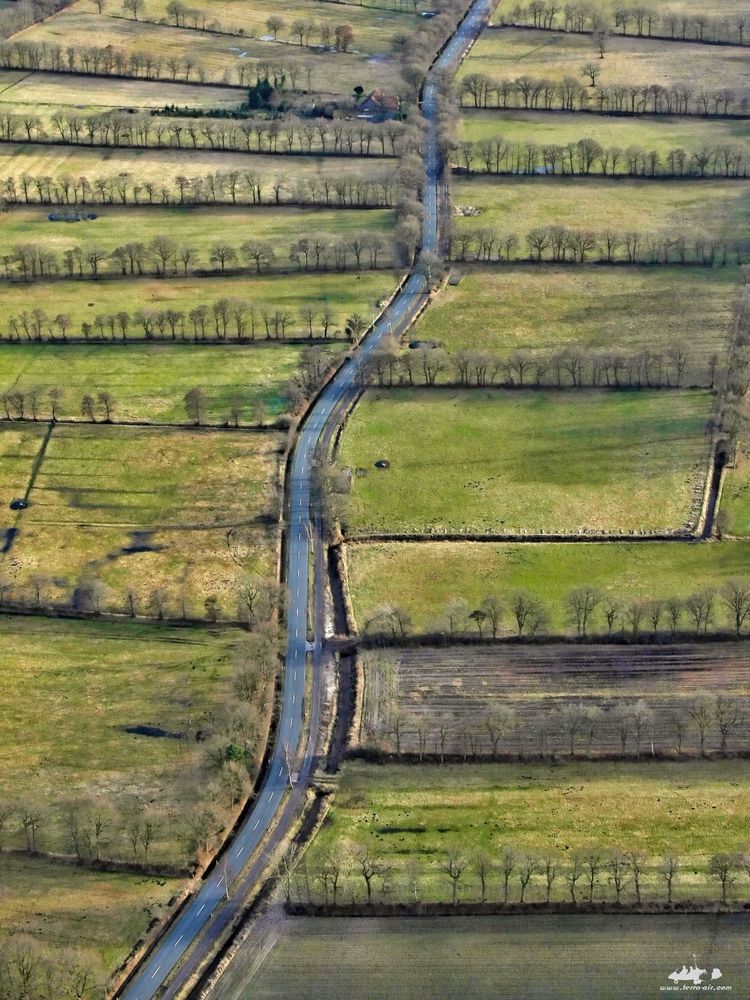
460	687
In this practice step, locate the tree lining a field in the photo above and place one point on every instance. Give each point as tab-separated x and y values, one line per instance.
430	366
560	244
586	158
436	717
530	93
414	50
231	187
125	831
225	320
352	879
630	21
588	610
165	257
44	403
190	129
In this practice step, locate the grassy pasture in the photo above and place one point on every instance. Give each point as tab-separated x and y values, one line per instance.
714	8
491	463
157	164
449	958
373	27
511	53
70	690
421	576
43	93
60	906
460	686
19	447
411	816
661	134
221	56
735	496
343	294
624	309
718	209
144	508
148	382
201	227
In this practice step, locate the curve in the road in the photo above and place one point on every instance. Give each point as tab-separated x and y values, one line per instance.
343	388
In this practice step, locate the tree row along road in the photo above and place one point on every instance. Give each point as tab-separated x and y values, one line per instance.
205	908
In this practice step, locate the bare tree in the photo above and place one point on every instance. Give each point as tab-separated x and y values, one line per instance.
736	596
454	865
729	716
722	867
668	870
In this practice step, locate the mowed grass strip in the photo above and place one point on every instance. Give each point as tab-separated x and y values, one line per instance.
142	509
201	227
711	210
449	958
662	133
69	691
148	382
98	913
550	309
507	462
421	577
511	53
341	294
412	816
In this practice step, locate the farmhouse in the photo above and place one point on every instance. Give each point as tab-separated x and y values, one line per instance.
379	107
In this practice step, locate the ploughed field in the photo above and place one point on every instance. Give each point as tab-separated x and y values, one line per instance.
610	956
551	699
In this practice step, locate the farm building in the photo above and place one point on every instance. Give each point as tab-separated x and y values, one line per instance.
379	107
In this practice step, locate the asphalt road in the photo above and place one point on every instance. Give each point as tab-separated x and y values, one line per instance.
302	534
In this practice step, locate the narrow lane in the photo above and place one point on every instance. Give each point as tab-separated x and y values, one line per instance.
302	534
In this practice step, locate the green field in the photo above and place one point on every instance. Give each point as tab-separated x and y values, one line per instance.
509	53
69	692
715	210
61	911
223	57
200	228
148	382
162	166
611	957
421	577
411	816
625	311
144	509
502	463
41	94
661	134
735	496
341	294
